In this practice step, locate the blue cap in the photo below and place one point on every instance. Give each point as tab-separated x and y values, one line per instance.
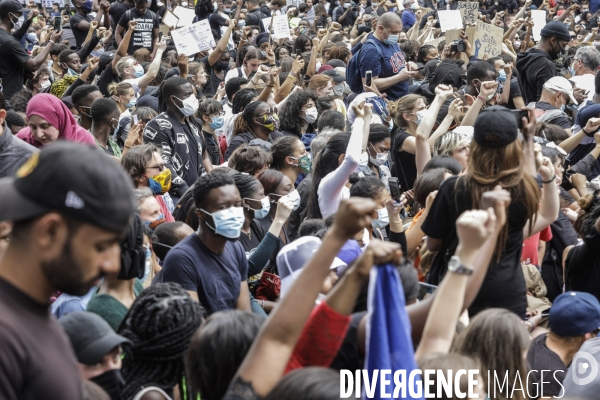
574	314
586	113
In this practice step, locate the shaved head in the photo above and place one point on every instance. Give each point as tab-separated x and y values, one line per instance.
389	20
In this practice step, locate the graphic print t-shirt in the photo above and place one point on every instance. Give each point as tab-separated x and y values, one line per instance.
384	60
142	35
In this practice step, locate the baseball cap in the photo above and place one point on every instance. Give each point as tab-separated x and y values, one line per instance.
11	6
574	314
74	179
556	29
495	126
91	336
336	63
561	84
335	75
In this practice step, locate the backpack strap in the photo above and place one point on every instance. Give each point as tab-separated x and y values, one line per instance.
239	70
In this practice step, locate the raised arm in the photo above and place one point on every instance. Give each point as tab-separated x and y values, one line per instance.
312	62
214	57
154	67
472	228
487	88
266	360
550	202
289	82
124	43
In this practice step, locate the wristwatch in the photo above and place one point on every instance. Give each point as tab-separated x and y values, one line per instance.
456	266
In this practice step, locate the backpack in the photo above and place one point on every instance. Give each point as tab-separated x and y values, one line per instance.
353	78
546	115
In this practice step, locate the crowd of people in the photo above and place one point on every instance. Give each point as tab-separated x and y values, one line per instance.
186	226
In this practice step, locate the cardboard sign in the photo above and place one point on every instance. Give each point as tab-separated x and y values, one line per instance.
280	29
186	16
450	19
468	11
192	39
539	21
170	19
487	41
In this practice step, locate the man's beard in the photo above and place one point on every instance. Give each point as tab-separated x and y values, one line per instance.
66	275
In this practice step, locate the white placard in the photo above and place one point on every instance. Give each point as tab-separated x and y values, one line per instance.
185	15
539	21
192	39
450	19
281	29
468	11
170	19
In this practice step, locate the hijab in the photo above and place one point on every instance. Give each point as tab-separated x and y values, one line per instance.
53	110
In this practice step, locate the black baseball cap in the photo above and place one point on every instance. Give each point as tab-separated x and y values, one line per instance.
11	6
335	75
75	179
91	336
495	126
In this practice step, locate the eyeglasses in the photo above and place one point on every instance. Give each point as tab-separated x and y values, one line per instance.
219	114
159	167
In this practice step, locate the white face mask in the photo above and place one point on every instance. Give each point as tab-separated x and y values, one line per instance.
311	115
383	219
363	162
190	105
45	84
228	222
294	197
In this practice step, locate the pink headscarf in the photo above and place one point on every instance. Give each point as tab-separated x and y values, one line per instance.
53	110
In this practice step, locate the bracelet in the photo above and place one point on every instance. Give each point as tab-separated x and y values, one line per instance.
269	85
532	326
52	41
550	180
482	99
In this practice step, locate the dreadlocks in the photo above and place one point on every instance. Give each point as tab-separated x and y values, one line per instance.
160	323
242	122
169	88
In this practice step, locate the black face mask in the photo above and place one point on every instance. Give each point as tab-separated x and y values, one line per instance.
133	253
556	54
112	382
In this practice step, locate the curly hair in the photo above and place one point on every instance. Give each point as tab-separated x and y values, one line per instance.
160	323
20	100
249	159
208	182
291	114
242	122
423	53
340	53
588	214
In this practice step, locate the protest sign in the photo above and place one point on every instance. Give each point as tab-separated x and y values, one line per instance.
192	39
539	21
170	19
450	19
487	41
281	29
436	42
468	11
185	15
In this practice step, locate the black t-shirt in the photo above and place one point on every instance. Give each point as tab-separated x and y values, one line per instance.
213	148
213	81
143	33
215	277
117	9
12	58
404	162
504	284
540	357
36	358
251	242
106	78
80	34
515	91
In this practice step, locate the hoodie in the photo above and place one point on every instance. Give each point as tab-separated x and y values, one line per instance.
534	68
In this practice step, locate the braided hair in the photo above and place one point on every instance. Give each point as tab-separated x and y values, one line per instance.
169	88
246	185
160	323
423	53
243	121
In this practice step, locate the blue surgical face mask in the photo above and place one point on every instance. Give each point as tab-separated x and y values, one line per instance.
264	53
217	122
264	211
562	107
392	39
502	76
147	265
131	103
241	23
138	71
383	219
228	222
87	6
420	116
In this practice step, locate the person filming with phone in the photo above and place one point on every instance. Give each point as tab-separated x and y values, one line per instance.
381	54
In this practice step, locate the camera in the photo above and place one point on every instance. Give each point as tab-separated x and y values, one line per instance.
458	45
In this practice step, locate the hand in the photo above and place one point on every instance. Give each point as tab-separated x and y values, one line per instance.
528	125
56	35
572	215
488	88
468	47
373	89
297	65
377	252
221	89
508	69
405	74
579	94
578	180
93	25
353	215
528	3
262	71
547	169
93	63
455	108
592	125
233	24
315	43
535	317
597	139
393	210
104	5
161	46
132	25
321	33
34	13
499	199
359	109
419	15
285	207
474	227
182	63
336	26
134	137
274	73
443	91
270	56
247	31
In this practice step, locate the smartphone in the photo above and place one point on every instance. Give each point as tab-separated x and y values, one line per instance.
425	290
135	119
298	52
519	114
57	23
368	78
394	189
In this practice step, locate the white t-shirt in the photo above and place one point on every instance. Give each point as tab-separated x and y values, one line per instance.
135	83
585	81
235	73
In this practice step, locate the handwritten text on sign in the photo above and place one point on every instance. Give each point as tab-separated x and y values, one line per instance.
194	38
487	40
468	11
281	28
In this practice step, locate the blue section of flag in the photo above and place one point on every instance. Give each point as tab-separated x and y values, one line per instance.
389	342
